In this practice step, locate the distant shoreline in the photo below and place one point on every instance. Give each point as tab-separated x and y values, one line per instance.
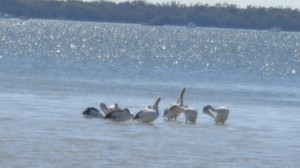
141	12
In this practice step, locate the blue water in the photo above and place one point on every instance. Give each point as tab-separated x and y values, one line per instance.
51	71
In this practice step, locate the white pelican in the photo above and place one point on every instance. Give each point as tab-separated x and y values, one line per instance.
149	114
222	113
189	113
114	113
111	108
119	115
92	112
172	112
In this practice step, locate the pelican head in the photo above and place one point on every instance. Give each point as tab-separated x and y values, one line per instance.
207	111
114	107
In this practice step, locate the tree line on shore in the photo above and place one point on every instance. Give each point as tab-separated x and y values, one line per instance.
171	13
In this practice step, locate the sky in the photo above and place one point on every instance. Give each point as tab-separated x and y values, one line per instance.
240	3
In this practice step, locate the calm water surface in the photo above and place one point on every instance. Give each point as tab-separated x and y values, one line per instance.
51	71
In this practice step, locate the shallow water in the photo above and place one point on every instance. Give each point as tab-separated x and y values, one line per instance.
50	74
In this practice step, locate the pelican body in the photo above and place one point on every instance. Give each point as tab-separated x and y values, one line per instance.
116	114
92	112
119	115
171	112
149	114
221	113
190	115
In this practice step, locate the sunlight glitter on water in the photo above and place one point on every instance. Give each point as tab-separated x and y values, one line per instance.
52	70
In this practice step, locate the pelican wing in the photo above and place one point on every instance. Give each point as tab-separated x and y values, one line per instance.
103	107
140	114
155	105
92	112
176	108
88	110
180	98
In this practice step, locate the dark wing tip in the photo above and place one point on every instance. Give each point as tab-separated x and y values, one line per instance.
89	109
137	115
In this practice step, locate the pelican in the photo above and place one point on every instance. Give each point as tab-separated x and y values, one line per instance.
172	112
149	114
115	113
189	113
92	112
111	108
222	113
119	115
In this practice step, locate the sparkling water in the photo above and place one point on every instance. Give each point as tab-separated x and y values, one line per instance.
51	71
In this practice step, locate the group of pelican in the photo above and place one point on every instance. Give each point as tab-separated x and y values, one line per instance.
151	113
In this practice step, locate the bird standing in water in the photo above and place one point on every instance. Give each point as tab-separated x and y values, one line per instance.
222	113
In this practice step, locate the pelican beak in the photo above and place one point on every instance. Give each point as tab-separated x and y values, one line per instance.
209	113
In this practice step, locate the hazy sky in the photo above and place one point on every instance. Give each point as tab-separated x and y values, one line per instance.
241	3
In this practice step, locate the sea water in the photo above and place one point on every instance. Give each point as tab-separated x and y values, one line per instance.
50	71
